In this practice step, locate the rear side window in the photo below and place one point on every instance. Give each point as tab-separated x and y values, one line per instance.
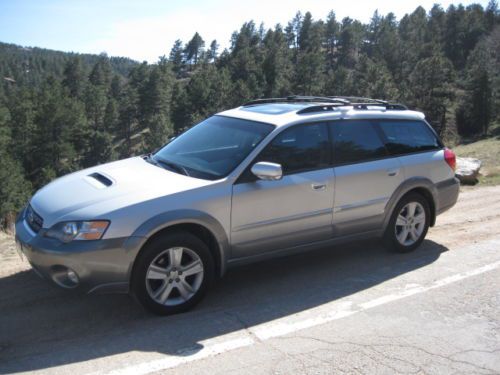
299	149
405	137
356	141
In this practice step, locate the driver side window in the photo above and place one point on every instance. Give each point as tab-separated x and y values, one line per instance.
299	149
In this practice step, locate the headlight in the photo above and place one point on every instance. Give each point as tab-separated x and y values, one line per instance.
78	230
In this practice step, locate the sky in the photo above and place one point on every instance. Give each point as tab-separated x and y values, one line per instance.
144	30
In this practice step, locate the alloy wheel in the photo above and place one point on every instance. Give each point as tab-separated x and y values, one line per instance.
410	223
174	276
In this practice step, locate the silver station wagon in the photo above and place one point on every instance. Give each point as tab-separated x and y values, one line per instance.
272	177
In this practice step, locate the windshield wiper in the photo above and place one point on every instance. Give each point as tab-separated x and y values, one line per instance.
173	166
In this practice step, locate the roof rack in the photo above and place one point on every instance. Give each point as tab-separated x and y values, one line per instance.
330	103
299	99
359	106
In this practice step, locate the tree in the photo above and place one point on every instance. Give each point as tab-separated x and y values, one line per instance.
277	67
14	189
177	58
212	51
310	64
349	45
101	72
292	31
454	38
245	63
157	104
373	80
432	81
58	120
194	48
492	15
476	109
74	77
128	121
332	29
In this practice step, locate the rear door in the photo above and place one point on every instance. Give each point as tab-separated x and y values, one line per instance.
273	215
418	148
366	176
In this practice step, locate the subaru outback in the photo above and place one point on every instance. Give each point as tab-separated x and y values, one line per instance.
272	177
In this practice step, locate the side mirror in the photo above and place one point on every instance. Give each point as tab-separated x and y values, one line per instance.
267	171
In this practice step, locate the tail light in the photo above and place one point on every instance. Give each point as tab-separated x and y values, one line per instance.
450	158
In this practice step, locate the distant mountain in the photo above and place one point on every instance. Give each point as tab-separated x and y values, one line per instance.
30	66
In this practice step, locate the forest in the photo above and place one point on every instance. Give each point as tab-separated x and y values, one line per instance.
61	112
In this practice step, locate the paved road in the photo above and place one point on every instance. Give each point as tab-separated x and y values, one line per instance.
349	309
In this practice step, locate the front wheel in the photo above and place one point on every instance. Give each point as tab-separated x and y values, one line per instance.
408	224
172	273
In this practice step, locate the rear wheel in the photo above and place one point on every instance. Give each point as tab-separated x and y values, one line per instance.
409	223
172	273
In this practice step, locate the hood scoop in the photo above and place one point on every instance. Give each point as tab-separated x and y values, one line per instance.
98	180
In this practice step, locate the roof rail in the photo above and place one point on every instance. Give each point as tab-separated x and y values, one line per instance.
300	99
329	103
360	99
332	107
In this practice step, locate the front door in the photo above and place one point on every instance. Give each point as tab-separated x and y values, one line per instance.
273	215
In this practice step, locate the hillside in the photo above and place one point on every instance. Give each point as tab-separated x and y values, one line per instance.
32	65
61	112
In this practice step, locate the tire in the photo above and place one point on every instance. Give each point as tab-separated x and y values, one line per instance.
172	273
416	228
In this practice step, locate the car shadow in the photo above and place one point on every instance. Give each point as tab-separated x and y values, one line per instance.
43	327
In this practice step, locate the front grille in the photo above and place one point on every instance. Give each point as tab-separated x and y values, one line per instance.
34	220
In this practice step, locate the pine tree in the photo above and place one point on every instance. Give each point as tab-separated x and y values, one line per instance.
194	49
74	77
277	67
128	121
212	51
349	45
310	64
332	29
157	105
177	58
15	189
101	72
476	110
57	122
432	81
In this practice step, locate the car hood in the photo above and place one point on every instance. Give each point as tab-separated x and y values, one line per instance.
108	186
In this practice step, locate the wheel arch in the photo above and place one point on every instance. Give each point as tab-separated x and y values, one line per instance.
202	225
422	186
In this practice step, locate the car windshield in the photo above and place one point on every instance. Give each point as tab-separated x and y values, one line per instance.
213	148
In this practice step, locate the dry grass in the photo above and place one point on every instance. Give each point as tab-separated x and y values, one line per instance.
488	151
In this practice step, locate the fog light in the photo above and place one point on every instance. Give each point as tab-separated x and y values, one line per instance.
65	277
72	276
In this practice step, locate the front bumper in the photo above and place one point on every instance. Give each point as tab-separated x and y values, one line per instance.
100	265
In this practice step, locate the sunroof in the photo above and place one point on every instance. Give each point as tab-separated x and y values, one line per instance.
275	108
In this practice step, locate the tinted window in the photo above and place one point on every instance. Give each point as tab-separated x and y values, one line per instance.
403	137
301	148
214	147
356	141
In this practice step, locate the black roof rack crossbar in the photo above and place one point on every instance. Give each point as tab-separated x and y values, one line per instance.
299	99
359	99
331	107
329	103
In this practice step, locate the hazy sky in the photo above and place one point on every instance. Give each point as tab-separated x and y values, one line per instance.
144	30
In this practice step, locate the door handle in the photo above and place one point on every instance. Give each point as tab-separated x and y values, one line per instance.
318	187
393	172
